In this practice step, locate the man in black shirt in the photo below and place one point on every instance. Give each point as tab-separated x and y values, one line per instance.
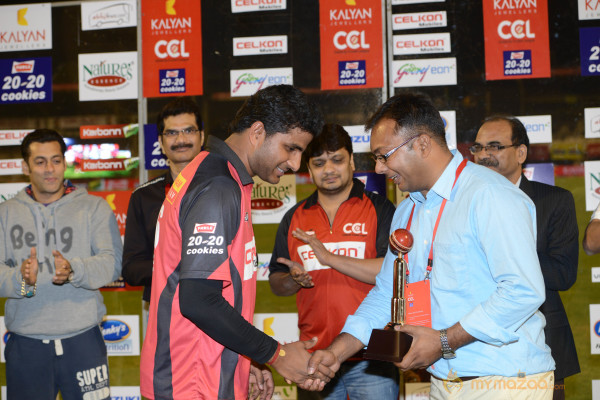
180	136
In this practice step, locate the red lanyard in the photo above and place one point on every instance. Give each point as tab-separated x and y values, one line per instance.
437	222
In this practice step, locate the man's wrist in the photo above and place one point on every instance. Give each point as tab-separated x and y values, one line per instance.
279	352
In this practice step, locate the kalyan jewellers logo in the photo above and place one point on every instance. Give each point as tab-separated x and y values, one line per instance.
105	74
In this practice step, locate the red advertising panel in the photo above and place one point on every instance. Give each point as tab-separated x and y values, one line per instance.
516	39
171	48
118	202
351	44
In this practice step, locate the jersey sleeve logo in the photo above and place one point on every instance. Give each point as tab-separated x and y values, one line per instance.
174	191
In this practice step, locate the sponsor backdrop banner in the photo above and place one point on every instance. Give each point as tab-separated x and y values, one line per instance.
11	166
400	2
13	137
589	45
516	39
153	155
373	182
108	14
420	20
424	72
283	327
422	43
240	6
360	138
588	9
595	328
542	172
449	118
270	202
351	44
26	80
119	131
121	334
26	27
118	202
260	45
539	128
592	122
592	184
4	337
246	82
171	48
108	76
9	190
263	266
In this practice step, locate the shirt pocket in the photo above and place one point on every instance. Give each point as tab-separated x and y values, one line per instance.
450	267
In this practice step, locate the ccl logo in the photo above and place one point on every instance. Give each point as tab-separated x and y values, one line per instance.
355	228
173	49
517	29
354	40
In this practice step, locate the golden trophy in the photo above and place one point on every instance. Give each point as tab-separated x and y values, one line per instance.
388	344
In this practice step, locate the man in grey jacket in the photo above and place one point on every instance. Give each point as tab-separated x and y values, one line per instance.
58	246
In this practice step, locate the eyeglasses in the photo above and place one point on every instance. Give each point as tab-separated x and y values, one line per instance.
490	148
384	158
174	133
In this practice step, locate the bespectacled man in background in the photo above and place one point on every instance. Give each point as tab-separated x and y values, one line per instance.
180	136
502	145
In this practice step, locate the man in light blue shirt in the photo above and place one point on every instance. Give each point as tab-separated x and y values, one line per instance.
486	282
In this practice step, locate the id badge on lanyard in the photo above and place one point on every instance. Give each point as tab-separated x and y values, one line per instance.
418	294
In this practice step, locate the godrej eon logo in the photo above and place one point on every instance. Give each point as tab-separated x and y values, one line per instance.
114	330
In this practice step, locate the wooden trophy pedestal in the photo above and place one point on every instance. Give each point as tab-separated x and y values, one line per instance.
388	345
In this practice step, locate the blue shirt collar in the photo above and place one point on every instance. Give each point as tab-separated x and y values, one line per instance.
443	186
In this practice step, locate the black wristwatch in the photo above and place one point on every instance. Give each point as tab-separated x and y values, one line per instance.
447	352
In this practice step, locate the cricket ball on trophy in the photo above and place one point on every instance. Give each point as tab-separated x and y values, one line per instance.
401	241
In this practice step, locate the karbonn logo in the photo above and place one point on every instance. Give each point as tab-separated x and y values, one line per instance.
173	49
205	228
103	165
350	40
355	228
517	29
99	132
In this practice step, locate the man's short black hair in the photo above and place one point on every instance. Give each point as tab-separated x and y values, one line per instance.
280	108
414	112
519	132
178	106
332	138
41	136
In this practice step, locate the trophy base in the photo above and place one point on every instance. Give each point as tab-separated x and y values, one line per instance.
388	345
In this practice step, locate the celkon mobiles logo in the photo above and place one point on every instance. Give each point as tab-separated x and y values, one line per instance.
209	227
422	43
238	6
419	20
258	45
23	67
